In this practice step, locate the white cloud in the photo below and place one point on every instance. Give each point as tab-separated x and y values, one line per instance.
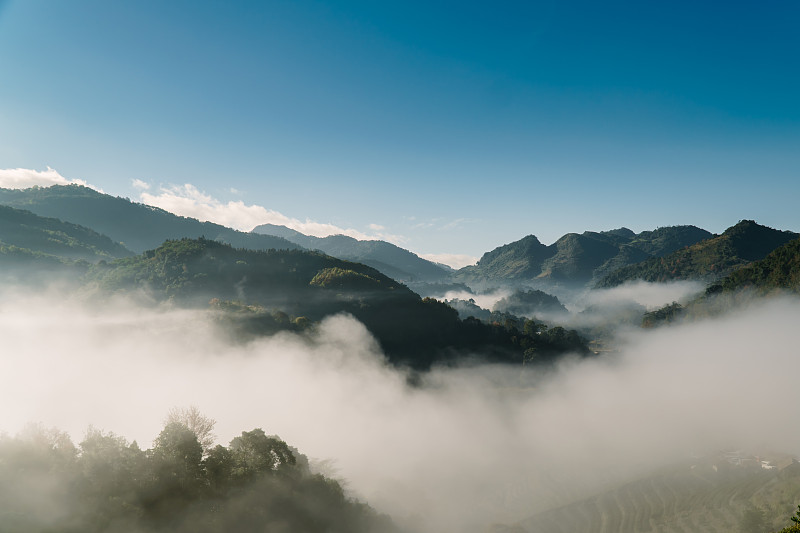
453	260
650	295
376	227
24	178
187	200
141	185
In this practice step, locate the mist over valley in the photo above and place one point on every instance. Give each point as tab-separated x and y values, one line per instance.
313	266
500	410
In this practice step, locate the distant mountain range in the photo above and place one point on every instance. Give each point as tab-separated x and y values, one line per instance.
577	258
707	260
141	227
392	260
137	226
76	223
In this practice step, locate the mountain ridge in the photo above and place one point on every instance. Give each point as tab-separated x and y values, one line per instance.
707	260
390	259
576	258
137	226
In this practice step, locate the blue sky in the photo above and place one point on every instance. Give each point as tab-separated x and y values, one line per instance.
447	127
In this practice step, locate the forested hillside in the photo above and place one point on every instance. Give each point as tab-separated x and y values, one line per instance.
305	287
780	270
577	258
707	260
23	229
139	227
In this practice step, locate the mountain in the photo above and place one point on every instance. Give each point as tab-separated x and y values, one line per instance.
137	226
256	289
392	260
38	250
780	270
50	236
706	260
577	258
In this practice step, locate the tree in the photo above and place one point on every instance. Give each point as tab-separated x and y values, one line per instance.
200	425
254	452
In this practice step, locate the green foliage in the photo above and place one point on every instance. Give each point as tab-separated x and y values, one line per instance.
668	313
51	236
341	278
778	270
139	227
256	483
529	303
255	293
578	257
707	260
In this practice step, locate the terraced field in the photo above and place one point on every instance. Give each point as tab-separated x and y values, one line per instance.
681	499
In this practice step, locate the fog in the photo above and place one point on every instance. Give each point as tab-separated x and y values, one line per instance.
650	295
463	449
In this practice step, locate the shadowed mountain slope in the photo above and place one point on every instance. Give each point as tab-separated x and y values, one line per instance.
139	227
51	236
780	270
706	260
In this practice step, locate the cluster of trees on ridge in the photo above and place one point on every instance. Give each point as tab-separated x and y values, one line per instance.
104	484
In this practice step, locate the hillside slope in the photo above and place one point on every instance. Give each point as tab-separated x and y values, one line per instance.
576	258
390	259
681	500
780	270
23	229
139	227
707	260
309	285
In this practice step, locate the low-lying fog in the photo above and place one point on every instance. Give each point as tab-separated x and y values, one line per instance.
467	448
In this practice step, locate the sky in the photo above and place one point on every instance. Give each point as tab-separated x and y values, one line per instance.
448	128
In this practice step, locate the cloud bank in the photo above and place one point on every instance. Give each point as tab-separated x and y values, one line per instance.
187	200
467	448
24	178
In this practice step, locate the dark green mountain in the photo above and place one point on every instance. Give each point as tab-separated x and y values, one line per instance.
50	236
706	260
780	270
392	260
309	285
38	250
577	258
139	227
